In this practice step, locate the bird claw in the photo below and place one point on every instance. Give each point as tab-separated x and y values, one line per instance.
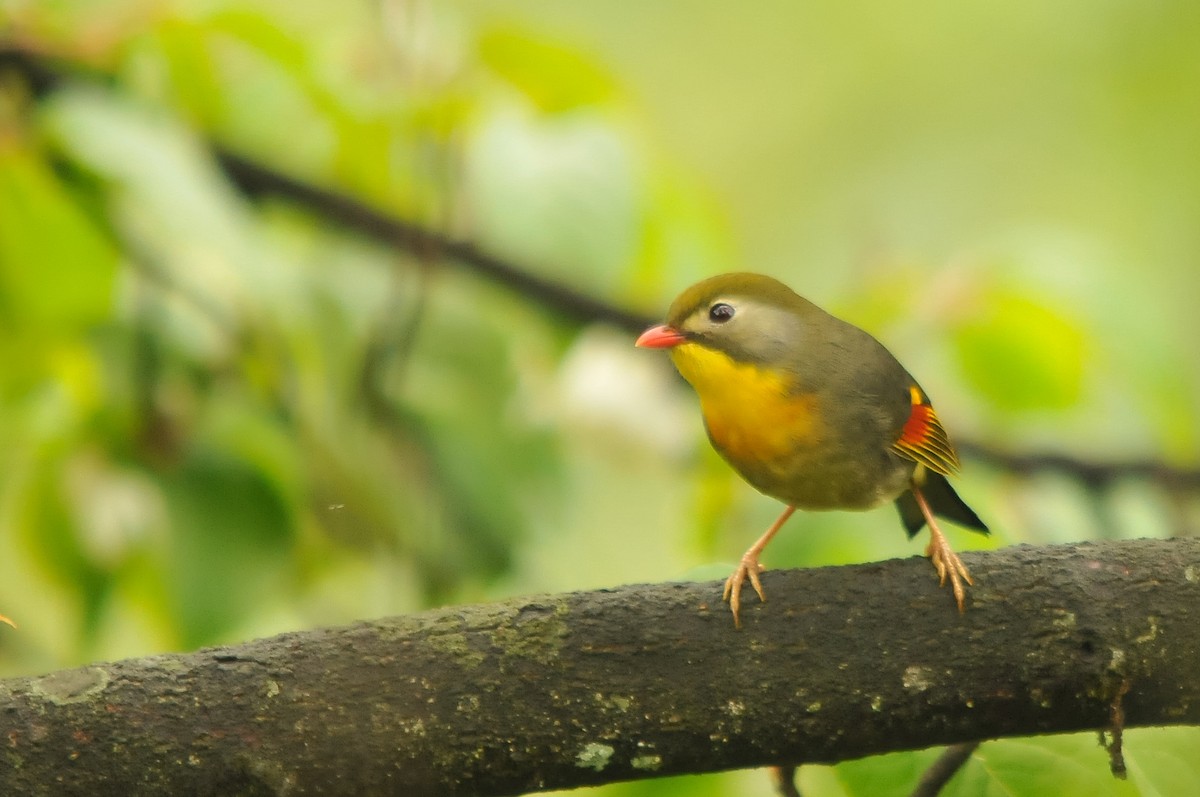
948	565
749	568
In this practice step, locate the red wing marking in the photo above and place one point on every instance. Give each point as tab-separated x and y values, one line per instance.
923	439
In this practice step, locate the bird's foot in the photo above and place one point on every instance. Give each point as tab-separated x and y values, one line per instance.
948	565
7	621
749	568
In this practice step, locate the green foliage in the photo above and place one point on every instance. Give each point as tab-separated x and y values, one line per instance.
1021	354
57	268
555	77
1159	761
229	524
220	418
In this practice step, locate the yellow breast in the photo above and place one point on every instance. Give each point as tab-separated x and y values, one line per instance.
754	416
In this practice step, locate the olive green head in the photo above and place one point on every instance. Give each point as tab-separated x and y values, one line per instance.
751	317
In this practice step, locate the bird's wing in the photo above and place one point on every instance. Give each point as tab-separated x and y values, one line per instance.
923	439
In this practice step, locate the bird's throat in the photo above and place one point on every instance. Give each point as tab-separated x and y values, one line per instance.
755	416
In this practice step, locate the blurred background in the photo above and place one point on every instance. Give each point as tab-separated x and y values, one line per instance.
225	412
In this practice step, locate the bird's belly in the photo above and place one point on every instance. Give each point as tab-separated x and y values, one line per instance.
796	462
820	485
778	437
775	433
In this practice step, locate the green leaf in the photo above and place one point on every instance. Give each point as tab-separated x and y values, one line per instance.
49	527
230	536
191	68
1066	766
154	165
555	77
1160	761
891	775
1022	354
56	267
264	33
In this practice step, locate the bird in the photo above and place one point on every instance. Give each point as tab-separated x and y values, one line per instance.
813	411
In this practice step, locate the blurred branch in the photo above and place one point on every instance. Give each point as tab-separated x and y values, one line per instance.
1096	476
558	691
257	179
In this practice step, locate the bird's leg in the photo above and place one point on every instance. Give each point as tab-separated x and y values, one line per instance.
750	568
944	559
4	619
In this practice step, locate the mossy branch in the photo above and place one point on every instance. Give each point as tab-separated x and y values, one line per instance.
566	690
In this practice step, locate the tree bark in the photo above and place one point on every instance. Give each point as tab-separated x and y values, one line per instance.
566	690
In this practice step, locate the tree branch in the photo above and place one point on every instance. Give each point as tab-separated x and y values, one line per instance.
565	690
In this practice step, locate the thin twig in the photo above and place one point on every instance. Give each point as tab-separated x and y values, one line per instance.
1116	753
938	775
784	779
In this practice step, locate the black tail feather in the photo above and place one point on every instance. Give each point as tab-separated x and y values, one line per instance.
942	500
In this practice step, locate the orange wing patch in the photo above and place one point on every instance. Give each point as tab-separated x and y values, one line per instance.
923	439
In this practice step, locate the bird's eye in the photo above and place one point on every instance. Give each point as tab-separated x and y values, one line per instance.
720	312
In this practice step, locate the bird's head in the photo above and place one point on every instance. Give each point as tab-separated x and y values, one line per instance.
750	318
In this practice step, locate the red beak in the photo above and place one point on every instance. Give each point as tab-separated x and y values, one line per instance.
660	337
